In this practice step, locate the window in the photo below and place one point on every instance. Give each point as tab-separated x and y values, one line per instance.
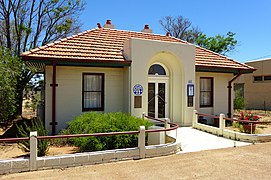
258	78
93	92
206	92
267	78
157	69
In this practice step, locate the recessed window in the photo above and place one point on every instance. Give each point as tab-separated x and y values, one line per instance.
157	69
267	78
206	92
93	92
258	78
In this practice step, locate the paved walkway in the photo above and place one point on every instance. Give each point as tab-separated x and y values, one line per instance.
195	140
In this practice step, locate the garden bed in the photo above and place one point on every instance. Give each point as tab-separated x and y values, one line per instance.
260	128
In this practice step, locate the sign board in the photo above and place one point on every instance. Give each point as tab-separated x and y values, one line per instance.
190	90
138	90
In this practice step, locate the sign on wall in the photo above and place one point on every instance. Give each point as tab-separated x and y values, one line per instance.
138	90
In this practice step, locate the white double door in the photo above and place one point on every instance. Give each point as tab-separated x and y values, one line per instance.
158	96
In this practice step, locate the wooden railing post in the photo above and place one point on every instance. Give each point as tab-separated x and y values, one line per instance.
141	142
33	151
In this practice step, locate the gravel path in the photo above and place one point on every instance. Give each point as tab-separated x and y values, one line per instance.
246	162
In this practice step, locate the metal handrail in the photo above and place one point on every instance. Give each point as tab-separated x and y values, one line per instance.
175	126
233	119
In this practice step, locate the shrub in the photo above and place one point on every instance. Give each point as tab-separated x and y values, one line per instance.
101	123
239	101
24	131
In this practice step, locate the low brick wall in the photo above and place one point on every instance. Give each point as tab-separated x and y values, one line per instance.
87	158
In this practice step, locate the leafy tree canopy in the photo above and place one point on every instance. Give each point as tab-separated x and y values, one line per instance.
219	43
26	24
9	70
182	28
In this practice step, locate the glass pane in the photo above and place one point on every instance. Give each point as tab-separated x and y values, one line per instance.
151	99
92	83
205	98
206	91
161	100
258	78
267	78
205	84
157	69
92	100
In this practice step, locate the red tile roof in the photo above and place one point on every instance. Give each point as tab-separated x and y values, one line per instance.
104	44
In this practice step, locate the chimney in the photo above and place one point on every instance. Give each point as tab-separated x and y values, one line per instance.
147	29
109	25
168	34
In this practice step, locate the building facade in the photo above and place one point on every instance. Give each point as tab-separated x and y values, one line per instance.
255	87
110	70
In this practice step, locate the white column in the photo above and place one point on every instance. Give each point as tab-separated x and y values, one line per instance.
167	125
141	142
33	151
221	122
195	118
143	115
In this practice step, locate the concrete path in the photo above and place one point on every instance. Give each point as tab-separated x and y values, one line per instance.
193	140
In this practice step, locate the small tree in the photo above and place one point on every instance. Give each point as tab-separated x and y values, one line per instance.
182	28
9	70
24	131
239	101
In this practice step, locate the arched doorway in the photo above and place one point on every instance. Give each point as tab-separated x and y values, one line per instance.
158	91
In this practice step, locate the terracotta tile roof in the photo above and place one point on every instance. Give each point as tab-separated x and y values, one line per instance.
104	44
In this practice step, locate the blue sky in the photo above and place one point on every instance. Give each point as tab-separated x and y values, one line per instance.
249	19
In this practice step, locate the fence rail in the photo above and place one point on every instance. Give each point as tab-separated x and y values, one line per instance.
175	126
221	130
139	152
233	119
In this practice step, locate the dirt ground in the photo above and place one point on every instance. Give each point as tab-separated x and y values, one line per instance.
247	162
10	150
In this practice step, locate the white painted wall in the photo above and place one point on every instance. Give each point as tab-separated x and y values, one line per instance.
69	92
220	92
178	58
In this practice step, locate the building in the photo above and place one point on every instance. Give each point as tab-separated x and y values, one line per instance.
256	87
110	70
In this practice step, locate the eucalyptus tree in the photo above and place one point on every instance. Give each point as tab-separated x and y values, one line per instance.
27	24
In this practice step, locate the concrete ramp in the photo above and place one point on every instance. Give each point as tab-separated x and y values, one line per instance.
194	140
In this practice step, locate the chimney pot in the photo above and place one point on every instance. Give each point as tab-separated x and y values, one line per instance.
147	29
168	34
108	21
99	25
108	24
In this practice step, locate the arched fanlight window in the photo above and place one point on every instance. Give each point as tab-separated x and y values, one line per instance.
157	69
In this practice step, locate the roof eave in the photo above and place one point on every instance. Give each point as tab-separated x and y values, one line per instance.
217	69
77	61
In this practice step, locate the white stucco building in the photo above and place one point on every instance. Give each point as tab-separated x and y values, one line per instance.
110	70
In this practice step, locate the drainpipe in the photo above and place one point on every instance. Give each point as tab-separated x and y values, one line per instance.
229	93
54	85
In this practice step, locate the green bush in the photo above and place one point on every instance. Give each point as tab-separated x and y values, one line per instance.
24	131
239	101
101	123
